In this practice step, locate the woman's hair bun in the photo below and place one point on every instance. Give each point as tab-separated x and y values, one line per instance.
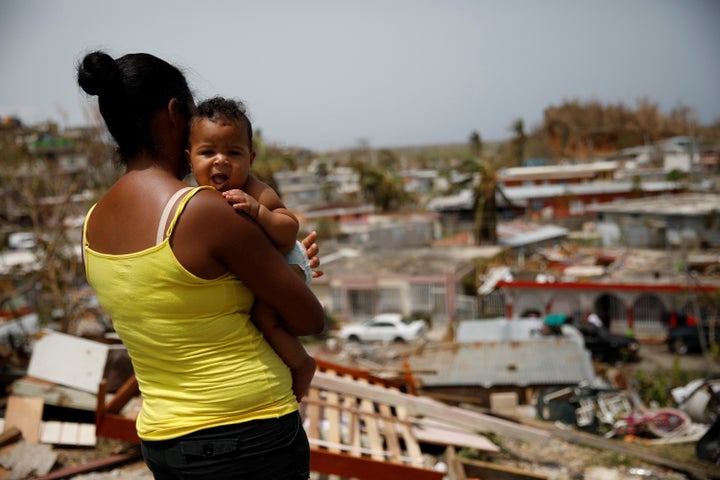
98	73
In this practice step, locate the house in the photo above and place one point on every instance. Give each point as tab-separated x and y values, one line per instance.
629	289
558	174
298	188
554	201
435	283
685	220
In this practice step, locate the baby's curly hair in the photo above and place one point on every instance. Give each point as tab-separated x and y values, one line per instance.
226	110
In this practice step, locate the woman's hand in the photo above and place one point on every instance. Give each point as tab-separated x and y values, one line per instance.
312	253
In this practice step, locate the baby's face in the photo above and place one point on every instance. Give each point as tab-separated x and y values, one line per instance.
220	154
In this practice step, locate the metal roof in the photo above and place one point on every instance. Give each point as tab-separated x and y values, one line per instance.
685	204
426	261
506	352
546	361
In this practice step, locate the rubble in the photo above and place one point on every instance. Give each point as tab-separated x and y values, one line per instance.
506	435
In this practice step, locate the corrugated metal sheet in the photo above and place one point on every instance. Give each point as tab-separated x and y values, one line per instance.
505	352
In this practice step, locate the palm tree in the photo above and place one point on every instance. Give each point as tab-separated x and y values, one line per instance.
484	194
485	225
385	190
476	145
518	127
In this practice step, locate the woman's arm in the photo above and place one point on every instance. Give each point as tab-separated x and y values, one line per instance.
211	239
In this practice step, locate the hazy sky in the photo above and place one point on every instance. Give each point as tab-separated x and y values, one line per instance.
326	74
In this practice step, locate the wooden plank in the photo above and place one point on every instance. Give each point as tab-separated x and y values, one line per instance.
391	440
54	394
11	435
363	468
493	471
356	373
332	416
411	444
456	470
426	407
434	432
102	463
312	409
352	423
372	431
117	426
25	413
123	395
68	433
50	432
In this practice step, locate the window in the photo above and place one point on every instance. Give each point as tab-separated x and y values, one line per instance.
337	300
361	303
389	300
420	298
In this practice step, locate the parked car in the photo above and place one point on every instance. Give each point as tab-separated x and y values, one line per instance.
608	347
685	339
385	327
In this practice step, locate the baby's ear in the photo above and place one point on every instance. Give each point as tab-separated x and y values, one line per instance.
252	156
187	157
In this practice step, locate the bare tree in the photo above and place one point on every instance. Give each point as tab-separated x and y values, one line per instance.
49	181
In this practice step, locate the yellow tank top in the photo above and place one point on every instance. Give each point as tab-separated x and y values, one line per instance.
199	360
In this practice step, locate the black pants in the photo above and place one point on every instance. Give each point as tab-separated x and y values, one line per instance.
271	449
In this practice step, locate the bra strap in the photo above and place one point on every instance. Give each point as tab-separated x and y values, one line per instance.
162	225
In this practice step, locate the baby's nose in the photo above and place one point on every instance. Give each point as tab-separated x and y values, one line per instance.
220	158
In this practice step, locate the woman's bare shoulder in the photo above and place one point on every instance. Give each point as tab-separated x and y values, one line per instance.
205	204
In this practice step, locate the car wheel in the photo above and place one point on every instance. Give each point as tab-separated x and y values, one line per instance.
353	339
680	347
398	340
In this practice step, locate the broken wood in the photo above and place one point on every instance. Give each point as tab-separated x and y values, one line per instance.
493	471
68	433
364	468
11	435
133	453
426	407
108	420
54	394
25	413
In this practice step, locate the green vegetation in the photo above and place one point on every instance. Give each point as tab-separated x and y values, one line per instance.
654	387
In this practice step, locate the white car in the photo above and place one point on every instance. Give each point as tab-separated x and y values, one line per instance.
385	327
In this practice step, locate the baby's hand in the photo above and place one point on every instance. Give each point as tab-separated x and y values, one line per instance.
242	201
312	250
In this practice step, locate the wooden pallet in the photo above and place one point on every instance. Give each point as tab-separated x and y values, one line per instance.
354	436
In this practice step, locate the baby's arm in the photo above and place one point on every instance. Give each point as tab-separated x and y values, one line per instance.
263	204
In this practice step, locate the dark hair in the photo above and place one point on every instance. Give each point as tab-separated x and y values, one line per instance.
224	109
130	90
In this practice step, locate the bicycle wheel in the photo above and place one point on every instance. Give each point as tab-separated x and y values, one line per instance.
667	422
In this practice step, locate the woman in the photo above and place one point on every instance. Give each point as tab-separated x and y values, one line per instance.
177	270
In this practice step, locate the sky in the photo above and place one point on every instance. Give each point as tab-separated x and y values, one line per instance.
332	74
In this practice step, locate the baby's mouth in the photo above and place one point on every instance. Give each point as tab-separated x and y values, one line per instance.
218	180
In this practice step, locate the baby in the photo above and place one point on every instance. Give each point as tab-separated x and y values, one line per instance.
221	154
